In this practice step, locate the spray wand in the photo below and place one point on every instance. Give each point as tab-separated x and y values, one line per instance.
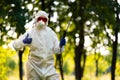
59	57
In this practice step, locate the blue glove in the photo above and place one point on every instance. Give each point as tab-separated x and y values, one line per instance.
27	40
62	42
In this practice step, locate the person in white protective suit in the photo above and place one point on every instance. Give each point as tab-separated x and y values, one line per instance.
43	42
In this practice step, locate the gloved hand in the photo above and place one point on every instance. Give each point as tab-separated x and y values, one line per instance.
62	42
27	40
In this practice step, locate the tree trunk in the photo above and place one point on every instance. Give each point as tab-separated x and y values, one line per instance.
77	63
114	57
96	64
96	61
43	5
79	55
20	65
115	44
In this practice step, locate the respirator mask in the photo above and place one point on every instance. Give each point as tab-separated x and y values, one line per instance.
41	22
41	19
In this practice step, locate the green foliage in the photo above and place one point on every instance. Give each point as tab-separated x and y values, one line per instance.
11	64
91	65
6	62
117	68
66	71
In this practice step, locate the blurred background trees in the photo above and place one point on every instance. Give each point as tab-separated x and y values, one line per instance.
92	39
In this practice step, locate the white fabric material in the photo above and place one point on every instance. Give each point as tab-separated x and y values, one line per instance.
41	13
40	63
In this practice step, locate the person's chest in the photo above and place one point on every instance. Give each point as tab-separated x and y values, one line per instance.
42	39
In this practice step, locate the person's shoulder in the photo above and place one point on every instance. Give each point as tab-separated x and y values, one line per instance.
30	30
48	28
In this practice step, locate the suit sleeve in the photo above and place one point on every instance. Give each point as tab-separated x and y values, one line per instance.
56	47
18	43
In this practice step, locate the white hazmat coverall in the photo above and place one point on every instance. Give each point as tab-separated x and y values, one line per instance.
40	65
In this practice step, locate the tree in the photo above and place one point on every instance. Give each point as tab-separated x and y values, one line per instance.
106	13
115	43
13	15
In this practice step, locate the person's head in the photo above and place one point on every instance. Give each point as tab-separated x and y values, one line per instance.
41	19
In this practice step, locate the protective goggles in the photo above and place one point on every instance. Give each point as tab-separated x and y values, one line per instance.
42	18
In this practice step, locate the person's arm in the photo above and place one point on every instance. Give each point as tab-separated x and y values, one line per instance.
22	41
56	47
59	45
